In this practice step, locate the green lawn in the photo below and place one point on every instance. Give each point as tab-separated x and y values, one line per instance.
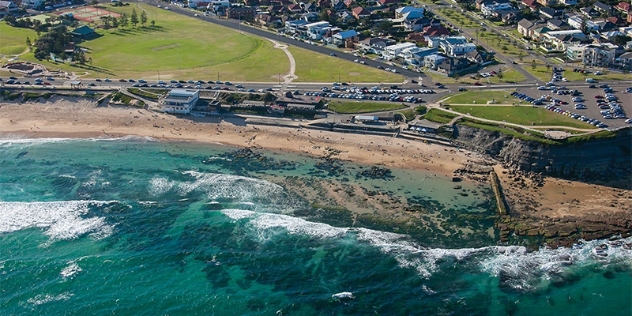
499	43
439	116
13	40
312	67
351	107
481	97
523	115
172	51
457	18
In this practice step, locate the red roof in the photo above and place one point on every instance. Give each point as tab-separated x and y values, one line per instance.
623	6
436	31
529	3
360	11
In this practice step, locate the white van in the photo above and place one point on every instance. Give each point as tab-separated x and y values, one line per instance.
590	80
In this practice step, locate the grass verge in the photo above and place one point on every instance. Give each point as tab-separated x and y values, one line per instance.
481	97
523	115
351	107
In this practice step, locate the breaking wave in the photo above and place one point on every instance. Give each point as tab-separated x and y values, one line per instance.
63	220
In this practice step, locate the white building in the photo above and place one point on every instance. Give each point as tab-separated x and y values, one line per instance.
179	101
393	51
488	8
316	30
33	3
455	45
576	23
568	2
603	55
575	53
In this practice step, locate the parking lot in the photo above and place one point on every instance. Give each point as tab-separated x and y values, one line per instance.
585	104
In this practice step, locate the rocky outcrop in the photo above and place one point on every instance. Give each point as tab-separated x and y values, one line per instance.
603	159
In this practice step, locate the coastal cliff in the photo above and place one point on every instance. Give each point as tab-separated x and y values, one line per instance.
597	160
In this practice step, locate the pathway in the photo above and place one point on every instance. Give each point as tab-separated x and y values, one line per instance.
287	79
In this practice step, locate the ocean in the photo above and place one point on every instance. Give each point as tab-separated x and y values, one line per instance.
134	226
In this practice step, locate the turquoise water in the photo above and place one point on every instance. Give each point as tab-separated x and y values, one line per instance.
137	227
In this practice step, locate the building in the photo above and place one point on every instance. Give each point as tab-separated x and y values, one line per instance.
624	61
316	30
575	53
374	45
603	55
393	51
241	13
488	8
83	32
360	13
568	2
179	101
455	46
409	13
344	37
525	28
35	4
577	22
8	7
602	7
433	61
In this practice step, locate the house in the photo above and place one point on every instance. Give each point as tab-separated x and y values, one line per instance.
577	22
477	57
179	101
589	12
338	5
555	24
568	2
602	7
241	13
310	17
606	26
316	30
293	27
70	48
433	61
456	46
348	3
309	7
479	4
452	66
8	6
415	56
547	3
508	17
387	2
525	28
538	33
531	4
360	13
342	38
550	13
624	7
267	20
488	8
393	51
616	21
83	32
418	24
374	45
558	41
609	36
435	31
409	13
294	8
33	3
417	37
346	17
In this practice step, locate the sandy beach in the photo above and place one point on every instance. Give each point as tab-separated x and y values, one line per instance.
71	117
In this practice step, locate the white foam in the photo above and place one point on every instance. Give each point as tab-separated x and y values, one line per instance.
343	295
229	186
158	186
526	269
71	270
59	220
47	298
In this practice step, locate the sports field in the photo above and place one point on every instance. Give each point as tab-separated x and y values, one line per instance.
88	14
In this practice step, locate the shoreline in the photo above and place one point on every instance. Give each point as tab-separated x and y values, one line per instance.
551	207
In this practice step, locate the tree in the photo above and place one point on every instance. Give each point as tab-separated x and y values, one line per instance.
94	2
384	26
106	21
123	20
153	23
520	55
115	23
134	18
28	42
534	64
548	66
500	74
143	18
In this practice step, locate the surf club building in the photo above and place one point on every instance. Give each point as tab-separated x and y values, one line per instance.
179	101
